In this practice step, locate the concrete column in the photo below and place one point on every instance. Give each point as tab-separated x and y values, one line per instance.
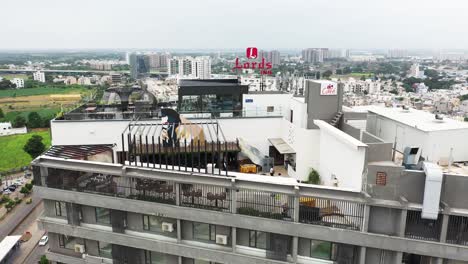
180	259
365	220
177	192
234	238
233	194
179	231
44	173
296	204
402	223
437	260
443	229
362	255
294	248
398	257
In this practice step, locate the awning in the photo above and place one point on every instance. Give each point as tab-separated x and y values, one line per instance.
281	146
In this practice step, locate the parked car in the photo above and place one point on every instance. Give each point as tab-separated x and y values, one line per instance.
12	188
6	191
43	241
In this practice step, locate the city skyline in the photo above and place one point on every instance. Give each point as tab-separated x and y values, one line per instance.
361	24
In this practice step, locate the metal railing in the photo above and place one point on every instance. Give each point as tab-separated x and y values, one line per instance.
333	213
265	204
457	230
205	197
422	229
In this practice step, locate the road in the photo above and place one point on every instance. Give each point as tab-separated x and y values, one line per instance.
29	250
13	218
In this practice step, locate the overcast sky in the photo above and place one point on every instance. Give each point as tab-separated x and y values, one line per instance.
216	24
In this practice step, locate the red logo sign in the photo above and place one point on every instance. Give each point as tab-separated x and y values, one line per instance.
328	89
263	66
251	53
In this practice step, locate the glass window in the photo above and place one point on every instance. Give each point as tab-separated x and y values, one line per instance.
60	209
190	103
152	223
270	109
257	239
203	231
152	257
209	103
105	249
68	242
320	249
103	216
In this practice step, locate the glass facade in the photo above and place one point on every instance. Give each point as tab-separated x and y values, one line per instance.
60	209
257	239
211	103
204	232
105	249
103	216
69	242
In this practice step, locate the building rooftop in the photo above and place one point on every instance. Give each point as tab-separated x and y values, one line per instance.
7	244
210	82
418	119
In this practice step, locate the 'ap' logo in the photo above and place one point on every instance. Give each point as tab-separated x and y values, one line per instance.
252	53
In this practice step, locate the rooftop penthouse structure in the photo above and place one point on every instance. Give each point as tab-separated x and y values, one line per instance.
171	189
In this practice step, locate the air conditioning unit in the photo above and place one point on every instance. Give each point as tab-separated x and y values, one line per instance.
79	248
167	227
221	239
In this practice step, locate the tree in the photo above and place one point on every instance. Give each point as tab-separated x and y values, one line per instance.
24	190
44	260
34	120
327	73
2	115
314	177
34	147
19	121
363	78
339	71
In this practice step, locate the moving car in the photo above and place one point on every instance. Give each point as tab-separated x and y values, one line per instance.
43	241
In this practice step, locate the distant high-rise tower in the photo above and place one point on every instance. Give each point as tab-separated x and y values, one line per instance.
139	65
39	76
201	68
314	55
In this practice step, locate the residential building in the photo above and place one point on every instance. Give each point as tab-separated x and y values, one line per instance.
201	68
173	188
18	82
7	129
397	53
84	80
185	66
116	78
39	76
314	55
172	66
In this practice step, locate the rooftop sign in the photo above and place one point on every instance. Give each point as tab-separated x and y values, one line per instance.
252	53
328	89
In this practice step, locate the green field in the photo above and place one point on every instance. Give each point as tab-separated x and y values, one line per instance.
12	154
40	91
44	112
355	75
11	76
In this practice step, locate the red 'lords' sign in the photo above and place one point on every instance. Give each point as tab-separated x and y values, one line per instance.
252	53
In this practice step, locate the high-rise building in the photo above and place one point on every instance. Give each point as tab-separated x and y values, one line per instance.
158	61
274	57
172	66
116	78
314	55
39	76
185	66
201	68
139	65
18	82
397	53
